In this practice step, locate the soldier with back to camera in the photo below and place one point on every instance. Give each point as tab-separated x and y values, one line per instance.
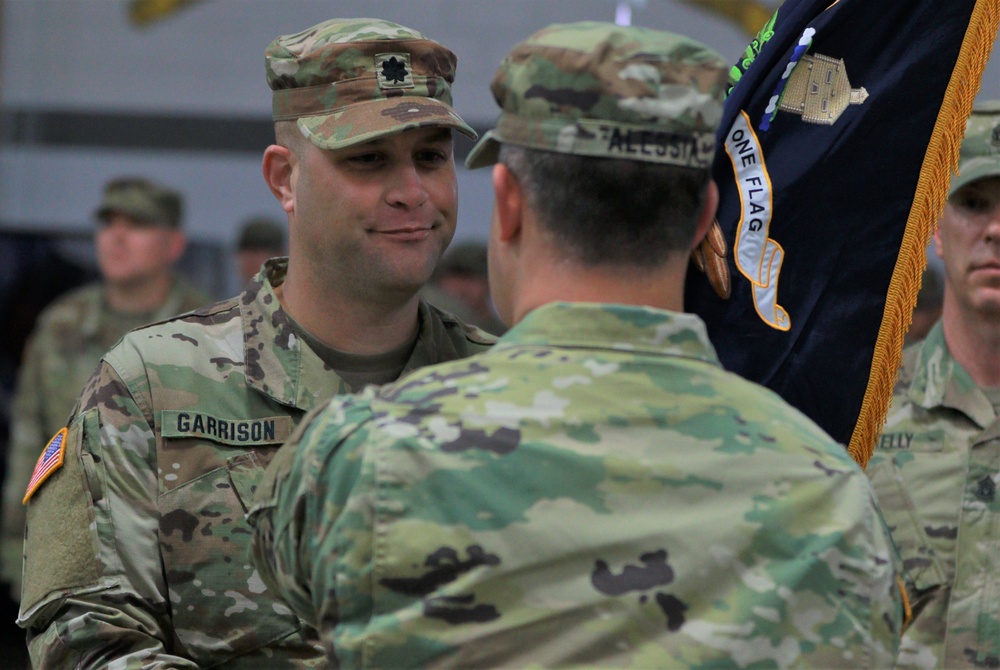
595	490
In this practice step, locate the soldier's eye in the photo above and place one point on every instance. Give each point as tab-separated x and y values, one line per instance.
432	156
366	158
974	202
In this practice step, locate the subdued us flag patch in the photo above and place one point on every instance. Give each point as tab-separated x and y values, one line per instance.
50	461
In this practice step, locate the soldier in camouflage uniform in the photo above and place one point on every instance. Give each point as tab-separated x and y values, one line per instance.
937	463
136	543
596	490
460	285
260	240
138	241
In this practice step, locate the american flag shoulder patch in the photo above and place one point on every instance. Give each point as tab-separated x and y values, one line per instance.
50	461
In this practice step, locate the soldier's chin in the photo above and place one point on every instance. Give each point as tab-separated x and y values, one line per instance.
990	304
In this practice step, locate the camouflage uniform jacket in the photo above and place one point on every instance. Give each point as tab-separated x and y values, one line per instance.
71	336
595	490
137	547
935	470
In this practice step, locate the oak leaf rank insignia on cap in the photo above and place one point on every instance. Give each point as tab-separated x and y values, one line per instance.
51	460
349	81
394	71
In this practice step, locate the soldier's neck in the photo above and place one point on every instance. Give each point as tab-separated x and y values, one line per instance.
138	297
360	327
974	341
545	282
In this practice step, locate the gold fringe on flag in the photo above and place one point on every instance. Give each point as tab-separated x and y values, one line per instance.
749	15
144	12
940	162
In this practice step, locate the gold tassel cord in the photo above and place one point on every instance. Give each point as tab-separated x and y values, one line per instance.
940	161
145	12
749	15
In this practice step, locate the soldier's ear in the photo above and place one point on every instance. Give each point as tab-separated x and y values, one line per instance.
278	167
707	214
509	202
938	245
176	243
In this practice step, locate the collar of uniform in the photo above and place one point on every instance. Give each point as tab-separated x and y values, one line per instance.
174	303
279	365
625	328
939	381
277	362
94	309
90	321
433	343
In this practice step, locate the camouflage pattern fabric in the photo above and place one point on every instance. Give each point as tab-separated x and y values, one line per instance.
142	200
980	152
347	81
596	89
594	491
934	470
136	549
68	341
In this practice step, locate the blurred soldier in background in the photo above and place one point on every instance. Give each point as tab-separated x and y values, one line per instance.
596	490
935	467
259	240
138	241
137	547
928	308
460	285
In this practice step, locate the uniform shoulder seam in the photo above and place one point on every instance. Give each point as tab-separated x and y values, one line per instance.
470	332
194	315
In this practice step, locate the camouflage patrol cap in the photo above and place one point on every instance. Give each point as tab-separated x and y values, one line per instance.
980	153
348	81
142	200
599	89
261	233
464	258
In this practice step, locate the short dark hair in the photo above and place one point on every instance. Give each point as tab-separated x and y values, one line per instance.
288	135
608	211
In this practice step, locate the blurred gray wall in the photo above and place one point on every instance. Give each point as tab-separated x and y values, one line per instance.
86	95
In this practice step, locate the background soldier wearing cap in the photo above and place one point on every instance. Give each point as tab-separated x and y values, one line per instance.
138	240
927	311
260	239
935	467
137	545
460	285
595	490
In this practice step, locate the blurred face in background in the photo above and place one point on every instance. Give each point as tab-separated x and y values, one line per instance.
250	261
473	290
131	252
